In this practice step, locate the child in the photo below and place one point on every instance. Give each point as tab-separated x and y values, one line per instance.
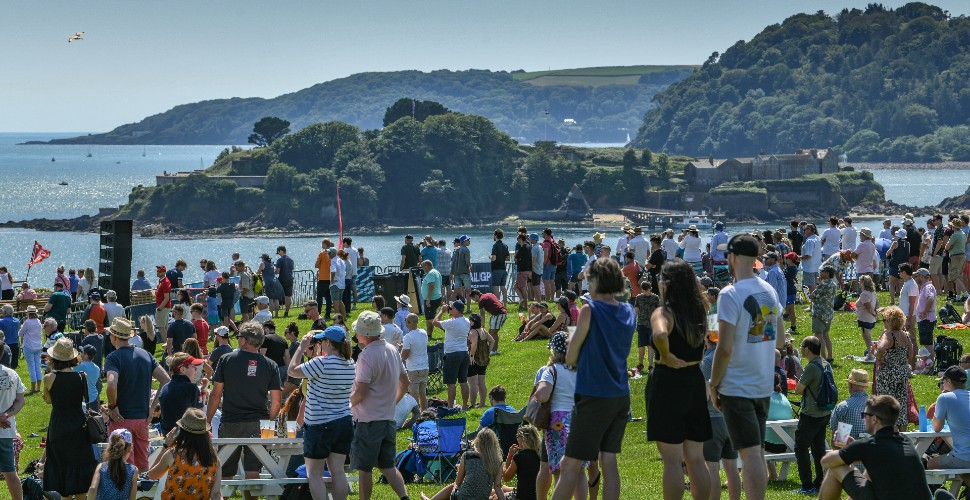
644	304
401	316
522	463
212	306
924	362
115	478
227	301
823	301
791	274
201	327
92	372
479	466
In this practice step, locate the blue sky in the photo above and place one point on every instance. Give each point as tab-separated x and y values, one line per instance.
140	58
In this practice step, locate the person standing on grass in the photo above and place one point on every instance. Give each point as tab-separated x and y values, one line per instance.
599	349
925	309
644	304
676	411
10	326
866	306
812	420
323	276
811	256
497	314
380	382
823	312
908	296
742	373
455	364
431	290
163	302
11	401
719	449
499	258
415	356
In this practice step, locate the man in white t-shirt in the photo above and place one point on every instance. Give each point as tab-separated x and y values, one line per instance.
669	245
622	242
811	257
415	356
742	376
262	312
351	273
392	334
865	253
849	234
11	401
455	365
639	246
831	238
908	294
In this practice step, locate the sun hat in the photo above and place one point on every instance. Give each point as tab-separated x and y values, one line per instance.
558	342
31	309
923	352
121	328
637	230
193	421
404	300
866	232
333	333
901	233
692	227
597	237
741	244
368	324
124	433
718	225
63	350
262	299
223	331
858	377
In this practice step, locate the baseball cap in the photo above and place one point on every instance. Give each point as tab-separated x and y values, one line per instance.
463	238
534	237
160	269
955	373
458	305
262	299
741	244
922	272
791	256
771	255
333	333
90	350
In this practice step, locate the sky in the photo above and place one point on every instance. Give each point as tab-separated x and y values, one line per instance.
140	58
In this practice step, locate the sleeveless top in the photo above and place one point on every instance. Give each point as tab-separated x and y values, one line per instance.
185	479
108	490
483	350
601	370
477	483
678	346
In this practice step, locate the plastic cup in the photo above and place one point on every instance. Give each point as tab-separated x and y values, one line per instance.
842	434
267	429
291	430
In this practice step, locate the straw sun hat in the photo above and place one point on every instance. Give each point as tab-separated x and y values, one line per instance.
62	350
193	421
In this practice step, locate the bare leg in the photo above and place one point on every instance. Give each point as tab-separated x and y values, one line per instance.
444	494
611	476
832	483
314	474
714	470
544	480
755	478
867	337
451	395
570	472
473	383
673	475
395	480
733	480
464	394
13	485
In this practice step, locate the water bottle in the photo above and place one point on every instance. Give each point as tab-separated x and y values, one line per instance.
922	418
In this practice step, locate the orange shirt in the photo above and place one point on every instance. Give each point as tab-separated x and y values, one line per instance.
98	315
631	271
323	266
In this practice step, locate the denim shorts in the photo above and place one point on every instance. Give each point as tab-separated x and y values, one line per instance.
498	277
336	294
335	436
462	281
549	272
6	455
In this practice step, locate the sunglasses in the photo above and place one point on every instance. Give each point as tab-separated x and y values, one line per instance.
866	414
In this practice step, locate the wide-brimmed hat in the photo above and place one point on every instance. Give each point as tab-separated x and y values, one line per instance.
31	309
858	377
558	342
368	324
866	232
404	300
692	227
923	352
637	230
193	421
598	237
121	328
63	350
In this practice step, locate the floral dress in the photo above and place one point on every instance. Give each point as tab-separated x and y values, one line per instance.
892	377
189	480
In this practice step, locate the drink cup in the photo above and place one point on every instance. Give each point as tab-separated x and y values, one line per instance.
842	434
291	430
267	429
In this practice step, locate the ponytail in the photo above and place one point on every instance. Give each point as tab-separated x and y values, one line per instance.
343	348
115	457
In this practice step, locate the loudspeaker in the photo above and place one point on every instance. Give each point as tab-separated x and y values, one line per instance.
390	286
114	268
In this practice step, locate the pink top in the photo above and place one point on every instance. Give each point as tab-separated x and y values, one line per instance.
574	312
379	365
926	299
863	314
28	294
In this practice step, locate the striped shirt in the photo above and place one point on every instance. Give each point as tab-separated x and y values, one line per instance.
328	390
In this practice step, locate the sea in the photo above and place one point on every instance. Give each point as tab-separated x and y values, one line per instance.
32	190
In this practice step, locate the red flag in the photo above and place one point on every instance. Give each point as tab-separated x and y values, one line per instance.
340	220
39	254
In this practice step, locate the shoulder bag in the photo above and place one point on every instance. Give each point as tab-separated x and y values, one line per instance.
539	414
94	422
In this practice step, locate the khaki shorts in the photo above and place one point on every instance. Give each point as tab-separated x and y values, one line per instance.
955	271
936	264
161	320
418	377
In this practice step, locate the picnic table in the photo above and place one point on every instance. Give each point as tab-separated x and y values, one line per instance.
786	431
922	441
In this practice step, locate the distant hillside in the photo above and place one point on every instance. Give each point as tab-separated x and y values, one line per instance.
605	103
879	84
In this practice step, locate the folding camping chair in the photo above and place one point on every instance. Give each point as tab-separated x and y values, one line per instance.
442	463
436	356
506	427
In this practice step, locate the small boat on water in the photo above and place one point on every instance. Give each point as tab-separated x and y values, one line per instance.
699	221
62	183
89	152
53	160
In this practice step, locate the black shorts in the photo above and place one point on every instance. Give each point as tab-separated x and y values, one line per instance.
431	311
245	305
240	430
287	288
476	370
562	281
719	446
677	410
745	419
455	367
373	445
320	440
536	279
865	325
858	486
603	421
644	335
926	329
445	280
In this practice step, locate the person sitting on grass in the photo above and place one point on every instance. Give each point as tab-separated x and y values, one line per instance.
479	472
522	463
542	325
893	467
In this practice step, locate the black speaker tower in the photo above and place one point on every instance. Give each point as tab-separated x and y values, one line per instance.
114	269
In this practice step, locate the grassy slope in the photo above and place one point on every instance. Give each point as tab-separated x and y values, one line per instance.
640	466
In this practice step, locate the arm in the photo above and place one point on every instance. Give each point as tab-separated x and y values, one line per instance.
722	357
47	307
437	319
48	380
661	330
160	467
938	423
510	465
543	392
472	344
405	354
578	337
162	377
359	392
294	368
93	490
403	383
133	492
215	395
275	400
832	459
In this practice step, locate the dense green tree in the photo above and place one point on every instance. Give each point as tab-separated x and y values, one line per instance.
646	158
419	110
267	130
316	145
663	166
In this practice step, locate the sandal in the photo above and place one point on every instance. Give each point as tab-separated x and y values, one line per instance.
596	481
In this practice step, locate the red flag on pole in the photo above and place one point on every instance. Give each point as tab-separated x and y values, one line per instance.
39	254
340	220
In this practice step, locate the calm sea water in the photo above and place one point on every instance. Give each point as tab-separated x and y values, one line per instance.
106	179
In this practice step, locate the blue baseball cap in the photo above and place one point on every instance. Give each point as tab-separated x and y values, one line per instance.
333	333
534	236
463	238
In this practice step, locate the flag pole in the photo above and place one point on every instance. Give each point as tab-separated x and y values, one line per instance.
340	219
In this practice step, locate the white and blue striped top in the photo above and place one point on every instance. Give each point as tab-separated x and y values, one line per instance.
328	389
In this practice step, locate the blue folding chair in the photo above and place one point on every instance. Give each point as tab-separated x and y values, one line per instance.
442	464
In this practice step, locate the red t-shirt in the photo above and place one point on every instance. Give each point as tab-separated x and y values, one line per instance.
164	290
490	304
98	315
546	248
202	334
632	271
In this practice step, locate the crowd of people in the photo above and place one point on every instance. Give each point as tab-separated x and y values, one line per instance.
711	337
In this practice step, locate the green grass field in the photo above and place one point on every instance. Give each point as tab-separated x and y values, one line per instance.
515	367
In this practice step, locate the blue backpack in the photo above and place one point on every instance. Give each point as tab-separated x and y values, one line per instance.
828	394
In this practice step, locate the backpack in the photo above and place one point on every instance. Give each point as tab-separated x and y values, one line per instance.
257	284
828	394
32	487
948	352
296	492
948	315
840	301
554	255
